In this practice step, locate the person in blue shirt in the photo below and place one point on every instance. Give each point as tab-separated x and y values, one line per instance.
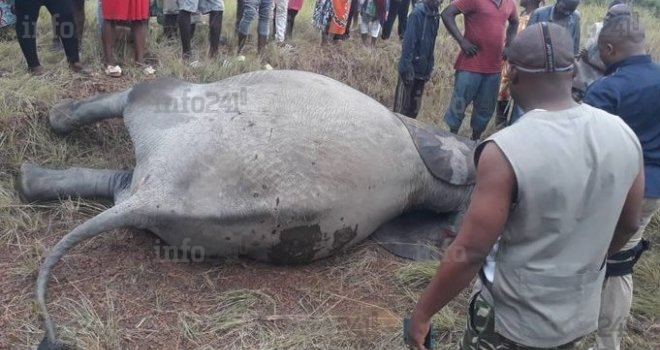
563	13
630	89
416	62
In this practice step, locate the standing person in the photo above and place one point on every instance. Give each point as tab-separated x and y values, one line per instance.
168	14
416	62
353	16
398	8
590	66
239	15
504	99
292	11
252	8
330	16
563	13
478	65
280	21
187	8
27	13
136	13
373	14
631	90
78	18
99	17
554	193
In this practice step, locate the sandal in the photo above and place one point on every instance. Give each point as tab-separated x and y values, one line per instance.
149	70
113	71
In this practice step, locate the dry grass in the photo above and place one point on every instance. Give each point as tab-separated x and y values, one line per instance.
111	292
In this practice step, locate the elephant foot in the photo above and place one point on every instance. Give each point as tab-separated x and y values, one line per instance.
28	183
61	117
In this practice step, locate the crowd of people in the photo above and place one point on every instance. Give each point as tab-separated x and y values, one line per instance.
333	18
565	188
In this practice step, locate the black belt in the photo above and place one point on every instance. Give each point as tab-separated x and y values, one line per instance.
621	263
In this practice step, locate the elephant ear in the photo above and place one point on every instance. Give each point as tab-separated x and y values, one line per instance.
448	157
417	235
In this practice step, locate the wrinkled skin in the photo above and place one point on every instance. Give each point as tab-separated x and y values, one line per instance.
301	167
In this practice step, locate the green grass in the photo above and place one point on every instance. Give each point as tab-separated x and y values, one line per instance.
108	293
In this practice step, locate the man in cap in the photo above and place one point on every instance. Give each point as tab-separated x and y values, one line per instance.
555	192
631	90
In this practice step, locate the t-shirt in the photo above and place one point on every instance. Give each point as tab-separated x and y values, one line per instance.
485	27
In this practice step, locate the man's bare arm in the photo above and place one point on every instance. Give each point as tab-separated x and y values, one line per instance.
630	217
483	222
448	16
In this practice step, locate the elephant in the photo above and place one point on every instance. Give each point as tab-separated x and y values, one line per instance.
286	167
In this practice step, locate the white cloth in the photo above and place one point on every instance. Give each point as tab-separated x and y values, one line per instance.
280	10
372	28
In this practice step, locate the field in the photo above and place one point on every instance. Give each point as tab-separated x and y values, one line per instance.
113	292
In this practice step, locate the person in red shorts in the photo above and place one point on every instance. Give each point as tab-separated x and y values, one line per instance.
136	14
478	65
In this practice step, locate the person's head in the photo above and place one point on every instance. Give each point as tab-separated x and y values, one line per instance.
433	4
615	2
565	8
533	4
617	10
541	62
622	36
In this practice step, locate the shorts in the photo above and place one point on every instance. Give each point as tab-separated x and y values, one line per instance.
201	6
170	7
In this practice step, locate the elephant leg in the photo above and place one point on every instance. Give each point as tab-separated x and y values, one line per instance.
40	184
70	114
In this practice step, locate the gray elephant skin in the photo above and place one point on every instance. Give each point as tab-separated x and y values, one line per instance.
298	168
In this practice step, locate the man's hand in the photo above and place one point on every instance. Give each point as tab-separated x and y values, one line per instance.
582	54
468	48
419	328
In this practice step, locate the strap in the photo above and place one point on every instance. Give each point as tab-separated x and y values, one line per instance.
549	51
486	283
622	263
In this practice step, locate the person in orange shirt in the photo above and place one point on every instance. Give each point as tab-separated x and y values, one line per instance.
504	105
331	17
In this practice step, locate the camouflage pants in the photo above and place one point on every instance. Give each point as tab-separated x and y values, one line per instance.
480	330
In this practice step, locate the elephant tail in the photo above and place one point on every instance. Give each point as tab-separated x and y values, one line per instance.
121	215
